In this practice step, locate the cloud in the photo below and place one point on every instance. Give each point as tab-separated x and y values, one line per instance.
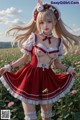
74	25
14	22
3	20
75	31
1	33
17	21
6	21
8	16
10	12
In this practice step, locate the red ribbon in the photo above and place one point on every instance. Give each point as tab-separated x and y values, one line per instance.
47	38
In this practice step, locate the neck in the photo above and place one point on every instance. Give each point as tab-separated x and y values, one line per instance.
47	34
47	37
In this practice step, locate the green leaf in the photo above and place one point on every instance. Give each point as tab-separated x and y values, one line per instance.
66	116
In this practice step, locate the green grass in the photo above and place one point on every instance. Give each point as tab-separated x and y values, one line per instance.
67	108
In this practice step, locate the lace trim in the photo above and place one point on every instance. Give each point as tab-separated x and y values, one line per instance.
52	100
30	116
25	52
47	114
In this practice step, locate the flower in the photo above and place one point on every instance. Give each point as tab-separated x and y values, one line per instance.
40	8
45	90
10	104
51	8
76	51
74	92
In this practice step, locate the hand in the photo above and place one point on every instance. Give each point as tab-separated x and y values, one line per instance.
2	70
78	64
7	67
72	71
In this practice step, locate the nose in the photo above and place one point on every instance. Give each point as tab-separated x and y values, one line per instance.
45	24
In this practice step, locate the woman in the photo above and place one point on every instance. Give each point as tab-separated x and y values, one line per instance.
36	83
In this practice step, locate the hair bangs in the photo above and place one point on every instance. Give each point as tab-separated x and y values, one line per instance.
48	14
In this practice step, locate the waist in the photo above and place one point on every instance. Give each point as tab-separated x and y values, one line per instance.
41	65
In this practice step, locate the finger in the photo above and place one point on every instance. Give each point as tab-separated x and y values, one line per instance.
74	74
78	66
75	69
71	74
3	71
77	63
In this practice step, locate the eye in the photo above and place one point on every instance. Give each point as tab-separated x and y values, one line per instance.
49	21
41	22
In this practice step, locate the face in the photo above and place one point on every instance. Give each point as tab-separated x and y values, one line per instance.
46	26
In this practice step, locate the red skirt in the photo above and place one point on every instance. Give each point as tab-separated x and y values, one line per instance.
33	85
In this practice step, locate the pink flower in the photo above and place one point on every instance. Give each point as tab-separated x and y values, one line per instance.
76	51
10	104
74	92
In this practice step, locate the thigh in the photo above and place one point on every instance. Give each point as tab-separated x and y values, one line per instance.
28	108
47	107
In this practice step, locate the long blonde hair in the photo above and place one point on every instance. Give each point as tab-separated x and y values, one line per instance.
21	33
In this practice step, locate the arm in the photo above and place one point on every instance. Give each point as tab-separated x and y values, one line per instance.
17	63
60	66
20	61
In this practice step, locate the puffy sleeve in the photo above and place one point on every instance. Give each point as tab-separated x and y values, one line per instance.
61	50
28	44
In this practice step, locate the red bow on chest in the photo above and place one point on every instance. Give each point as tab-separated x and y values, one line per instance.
47	38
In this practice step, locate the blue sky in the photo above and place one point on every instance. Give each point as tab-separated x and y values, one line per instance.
20	12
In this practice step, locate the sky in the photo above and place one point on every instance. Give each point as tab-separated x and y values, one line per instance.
19	12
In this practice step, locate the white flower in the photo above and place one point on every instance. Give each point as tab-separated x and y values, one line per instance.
51	8
40	8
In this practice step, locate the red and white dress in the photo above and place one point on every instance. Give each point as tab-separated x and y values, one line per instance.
29	82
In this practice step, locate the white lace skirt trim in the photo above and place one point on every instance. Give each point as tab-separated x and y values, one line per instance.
36	102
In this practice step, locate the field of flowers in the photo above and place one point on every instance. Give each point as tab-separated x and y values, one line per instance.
67	108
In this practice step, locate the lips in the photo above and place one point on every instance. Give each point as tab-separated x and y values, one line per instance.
46	29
